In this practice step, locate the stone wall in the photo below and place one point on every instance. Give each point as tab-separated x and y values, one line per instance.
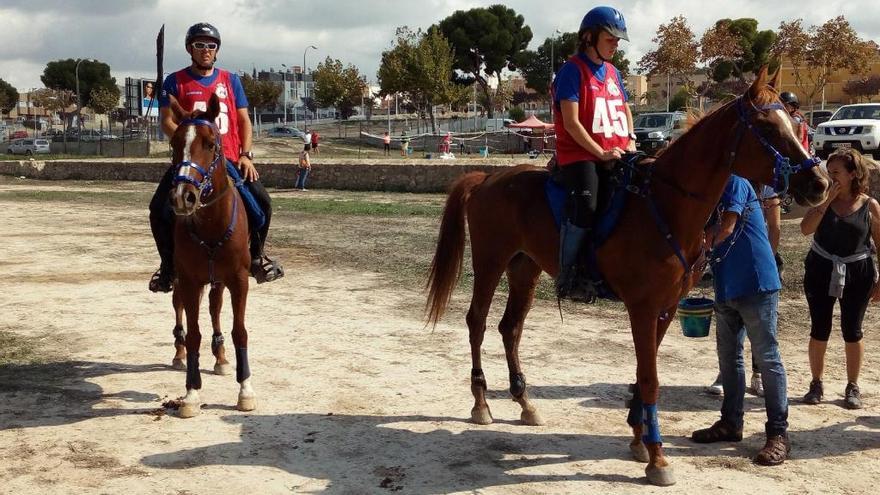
359	175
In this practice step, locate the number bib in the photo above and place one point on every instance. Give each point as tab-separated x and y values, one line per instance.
601	110
193	95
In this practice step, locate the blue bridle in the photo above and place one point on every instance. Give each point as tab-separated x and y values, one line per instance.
205	184
782	167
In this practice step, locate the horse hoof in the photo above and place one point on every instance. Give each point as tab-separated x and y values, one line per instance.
660	476
640	452
246	403
178	364
222	369
532	418
189	409
481	416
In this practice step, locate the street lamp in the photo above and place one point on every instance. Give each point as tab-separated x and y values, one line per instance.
284	85
305	86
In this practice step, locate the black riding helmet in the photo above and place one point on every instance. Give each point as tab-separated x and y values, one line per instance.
203	30
790	98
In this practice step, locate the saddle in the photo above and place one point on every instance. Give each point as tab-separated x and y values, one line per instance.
627	176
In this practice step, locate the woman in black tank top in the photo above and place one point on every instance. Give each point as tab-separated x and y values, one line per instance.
840	265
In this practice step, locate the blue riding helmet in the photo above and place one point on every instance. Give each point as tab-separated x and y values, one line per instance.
607	18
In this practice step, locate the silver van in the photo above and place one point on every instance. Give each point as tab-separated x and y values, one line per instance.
28	146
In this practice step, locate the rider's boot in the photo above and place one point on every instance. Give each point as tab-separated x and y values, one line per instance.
263	268
163	279
571	282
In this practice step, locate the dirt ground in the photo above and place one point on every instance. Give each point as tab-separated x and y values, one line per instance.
354	394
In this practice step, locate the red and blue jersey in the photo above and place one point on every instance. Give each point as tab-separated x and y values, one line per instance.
601	108
193	92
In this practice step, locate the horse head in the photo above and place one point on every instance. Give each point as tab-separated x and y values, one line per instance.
767	149
197	153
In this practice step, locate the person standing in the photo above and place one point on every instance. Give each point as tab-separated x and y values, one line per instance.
307	140
593	125
404	144
746	300
315	140
192	87
305	167
386	141
840	267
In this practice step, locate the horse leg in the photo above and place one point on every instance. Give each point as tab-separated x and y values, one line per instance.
634	404
179	333
190	296
644	329
486	277
522	275
215	300
247	400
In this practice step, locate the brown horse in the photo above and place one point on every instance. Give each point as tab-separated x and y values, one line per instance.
512	231
210	247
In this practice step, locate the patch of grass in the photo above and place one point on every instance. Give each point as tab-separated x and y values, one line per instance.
82	196
356	207
15	349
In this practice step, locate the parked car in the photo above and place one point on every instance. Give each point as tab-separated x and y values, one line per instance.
817	117
28	146
851	126
655	130
292	132
93	135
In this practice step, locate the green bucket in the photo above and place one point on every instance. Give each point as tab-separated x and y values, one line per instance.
695	316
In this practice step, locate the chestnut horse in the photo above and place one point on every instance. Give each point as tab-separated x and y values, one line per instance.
210	247
512	231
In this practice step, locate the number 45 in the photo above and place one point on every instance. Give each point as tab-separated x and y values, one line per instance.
608	119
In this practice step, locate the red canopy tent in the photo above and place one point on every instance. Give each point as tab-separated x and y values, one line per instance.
531	123
534	123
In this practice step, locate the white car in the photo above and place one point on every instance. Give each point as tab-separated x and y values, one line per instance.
28	146
851	126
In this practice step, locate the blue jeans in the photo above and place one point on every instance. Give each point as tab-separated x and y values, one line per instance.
301	177
754	315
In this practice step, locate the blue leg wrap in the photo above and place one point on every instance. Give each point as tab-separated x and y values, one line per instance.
651	432
193	377
216	341
242	368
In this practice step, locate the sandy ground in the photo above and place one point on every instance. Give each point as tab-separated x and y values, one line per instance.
354	394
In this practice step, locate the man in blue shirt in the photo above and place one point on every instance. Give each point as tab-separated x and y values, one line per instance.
746	298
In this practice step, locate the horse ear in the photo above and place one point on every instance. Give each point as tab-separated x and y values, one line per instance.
213	109
774	81
759	83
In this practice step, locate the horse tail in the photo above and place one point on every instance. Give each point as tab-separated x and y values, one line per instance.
446	265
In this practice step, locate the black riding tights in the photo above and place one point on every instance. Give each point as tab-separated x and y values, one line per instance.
853	304
162	218
581	179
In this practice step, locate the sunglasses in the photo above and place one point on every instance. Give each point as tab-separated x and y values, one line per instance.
201	45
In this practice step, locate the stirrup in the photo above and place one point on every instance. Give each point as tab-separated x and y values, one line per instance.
161	281
264	269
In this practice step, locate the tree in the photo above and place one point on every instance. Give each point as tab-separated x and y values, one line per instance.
486	41
679	101
338	87
863	88
8	97
502	96
419	66
55	101
260	94
61	74
821	51
734	48
676	52
102	100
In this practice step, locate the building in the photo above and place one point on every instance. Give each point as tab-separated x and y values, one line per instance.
662	86
637	89
833	94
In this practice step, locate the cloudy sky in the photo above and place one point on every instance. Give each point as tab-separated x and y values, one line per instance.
267	33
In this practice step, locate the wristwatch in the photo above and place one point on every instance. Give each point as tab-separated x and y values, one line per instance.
632	136
248	154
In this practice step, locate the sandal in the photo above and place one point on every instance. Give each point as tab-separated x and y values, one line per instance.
775	451
719	432
162	281
264	269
